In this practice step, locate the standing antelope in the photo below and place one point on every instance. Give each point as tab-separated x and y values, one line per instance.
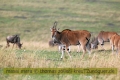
115	43
14	39
58	42
55	42
101	38
68	37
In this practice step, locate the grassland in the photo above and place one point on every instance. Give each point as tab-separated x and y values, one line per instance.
32	20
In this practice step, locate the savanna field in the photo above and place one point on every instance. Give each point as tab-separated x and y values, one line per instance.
32	20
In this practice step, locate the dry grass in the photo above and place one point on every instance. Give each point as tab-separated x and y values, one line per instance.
97	56
32	20
29	59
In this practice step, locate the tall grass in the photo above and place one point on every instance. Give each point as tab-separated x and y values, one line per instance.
48	58
32	20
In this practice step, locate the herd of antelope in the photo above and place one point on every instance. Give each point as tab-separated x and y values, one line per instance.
81	38
68	37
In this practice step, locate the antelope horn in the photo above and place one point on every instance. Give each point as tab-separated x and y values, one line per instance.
55	24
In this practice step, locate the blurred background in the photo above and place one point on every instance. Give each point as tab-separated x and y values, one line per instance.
32	19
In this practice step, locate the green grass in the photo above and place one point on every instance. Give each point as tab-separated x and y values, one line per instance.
26	58
39	16
32	20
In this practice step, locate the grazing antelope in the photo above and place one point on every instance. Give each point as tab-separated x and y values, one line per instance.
68	37
101	38
115	43
14	39
51	43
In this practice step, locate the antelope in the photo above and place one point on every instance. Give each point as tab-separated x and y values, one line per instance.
101	38
14	39
115	43
58	42
69	37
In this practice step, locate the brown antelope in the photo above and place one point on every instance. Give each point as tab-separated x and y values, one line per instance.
14	39
68	37
115	43
58	42
101	38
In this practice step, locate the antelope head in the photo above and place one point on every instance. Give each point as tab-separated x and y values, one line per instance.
94	43
54	29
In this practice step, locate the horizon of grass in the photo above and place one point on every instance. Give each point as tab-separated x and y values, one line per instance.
32	20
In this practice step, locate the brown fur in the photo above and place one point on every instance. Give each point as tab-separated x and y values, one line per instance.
105	35
68	37
101	38
115	43
75	37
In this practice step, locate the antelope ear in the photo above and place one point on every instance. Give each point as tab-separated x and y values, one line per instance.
55	24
